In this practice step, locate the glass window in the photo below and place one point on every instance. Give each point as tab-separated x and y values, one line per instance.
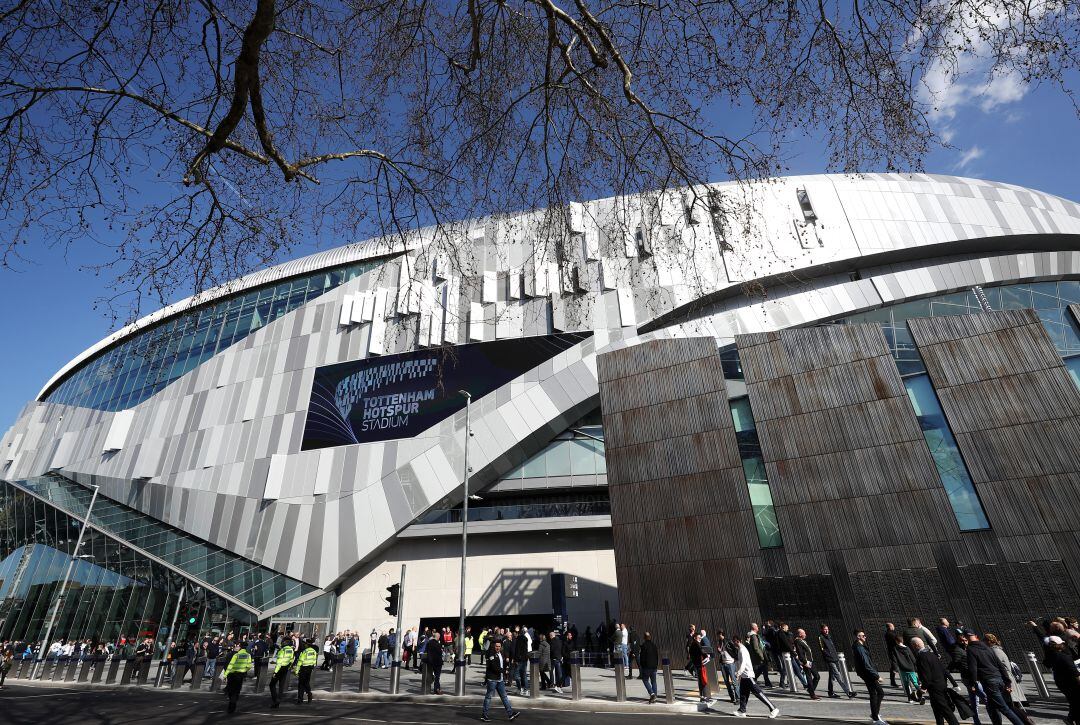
946	454
174	348
757	479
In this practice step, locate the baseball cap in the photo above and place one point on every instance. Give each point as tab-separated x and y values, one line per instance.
968	632
1054	639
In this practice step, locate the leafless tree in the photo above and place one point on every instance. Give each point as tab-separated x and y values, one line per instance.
198	139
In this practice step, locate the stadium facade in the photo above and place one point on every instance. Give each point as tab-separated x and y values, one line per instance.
826	398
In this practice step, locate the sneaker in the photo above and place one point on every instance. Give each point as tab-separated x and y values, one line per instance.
816	697
485	718
652	699
514	714
774	712
739	713
558	690
851	695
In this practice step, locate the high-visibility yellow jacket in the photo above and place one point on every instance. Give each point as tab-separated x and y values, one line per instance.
481	638
239	664
468	645
284	658
308	658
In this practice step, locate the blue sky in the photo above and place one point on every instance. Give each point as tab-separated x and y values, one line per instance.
1001	130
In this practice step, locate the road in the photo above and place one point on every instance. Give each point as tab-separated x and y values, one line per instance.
31	705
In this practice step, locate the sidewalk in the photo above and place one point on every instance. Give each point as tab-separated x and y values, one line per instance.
598	695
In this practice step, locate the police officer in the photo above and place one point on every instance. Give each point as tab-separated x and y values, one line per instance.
281	670
305	665
238	667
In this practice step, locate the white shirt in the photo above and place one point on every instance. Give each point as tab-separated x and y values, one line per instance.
743	668
624	636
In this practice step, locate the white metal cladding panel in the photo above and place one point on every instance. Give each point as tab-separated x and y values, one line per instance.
176	412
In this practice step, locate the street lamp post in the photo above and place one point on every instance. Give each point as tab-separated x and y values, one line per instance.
63	587
459	670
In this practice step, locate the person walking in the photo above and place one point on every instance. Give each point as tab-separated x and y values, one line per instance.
744	674
521	661
759	657
1066	677
698	660
804	655
1014	694
304	666
890	648
433	657
494	668
556	661
648	662
383	659
725	651
904	657
985	669
235	672
831	656
283	659
864	668
545	663
7	657
933	681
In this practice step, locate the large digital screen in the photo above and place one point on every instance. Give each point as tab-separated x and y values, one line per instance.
399	396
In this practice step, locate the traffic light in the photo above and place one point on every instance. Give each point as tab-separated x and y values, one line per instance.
392	599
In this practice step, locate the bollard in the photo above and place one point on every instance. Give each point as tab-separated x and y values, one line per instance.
459	677
337	669
215	681
620	683
395	676
72	668
365	673
262	676
425	679
198	667
534	675
114	669
179	670
99	670
789	671
130	669
843	669
84	670
19	669
144	672
1037	676
669	682
575	679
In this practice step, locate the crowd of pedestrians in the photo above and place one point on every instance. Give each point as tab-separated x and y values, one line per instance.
951	667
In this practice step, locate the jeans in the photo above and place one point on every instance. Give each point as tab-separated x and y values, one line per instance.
496	686
728	671
838	676
382	659
798	670
210	667
747	687
557	673
521	674
648	678
996	705
623	652
762	670
436	680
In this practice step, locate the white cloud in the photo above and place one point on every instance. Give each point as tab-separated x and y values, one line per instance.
1003	88
972	154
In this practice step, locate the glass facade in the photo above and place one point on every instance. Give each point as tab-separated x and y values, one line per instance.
142	364
757	480
540	505
256	586
954	475
113	590
570	454
1050	300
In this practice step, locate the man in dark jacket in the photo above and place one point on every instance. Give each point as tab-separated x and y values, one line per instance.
832	661
933	681
557	660
890	648
648	662
433	656
1066	676
805	657
698	662
864	668
521	661
986	669
494	667
755	644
